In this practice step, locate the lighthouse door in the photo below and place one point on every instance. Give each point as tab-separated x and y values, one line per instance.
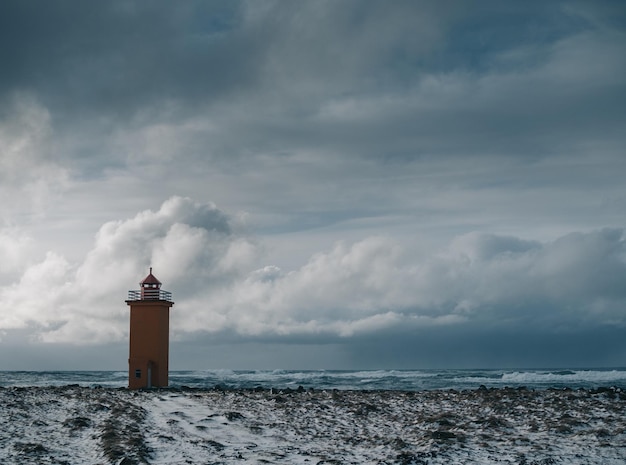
149	375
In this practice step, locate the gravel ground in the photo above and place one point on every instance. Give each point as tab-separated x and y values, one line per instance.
79	425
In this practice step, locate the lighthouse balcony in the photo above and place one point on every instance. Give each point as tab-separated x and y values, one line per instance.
149	294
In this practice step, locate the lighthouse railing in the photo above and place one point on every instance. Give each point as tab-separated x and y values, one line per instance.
149	294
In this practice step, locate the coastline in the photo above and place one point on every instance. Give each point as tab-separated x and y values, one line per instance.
385	379
82	425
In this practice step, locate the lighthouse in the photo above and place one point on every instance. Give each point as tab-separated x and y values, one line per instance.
149	334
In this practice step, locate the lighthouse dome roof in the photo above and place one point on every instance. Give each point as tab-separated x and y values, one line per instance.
150	279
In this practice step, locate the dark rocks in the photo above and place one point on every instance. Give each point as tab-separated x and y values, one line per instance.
232	416
215	445
399	443
254	429
365	408
98	407
30	448
419	458
77	423
494	422
122	437
442	435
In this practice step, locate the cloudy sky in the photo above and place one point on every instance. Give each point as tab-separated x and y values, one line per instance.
322	184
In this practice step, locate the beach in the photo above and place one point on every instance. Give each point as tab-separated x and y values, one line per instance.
85	425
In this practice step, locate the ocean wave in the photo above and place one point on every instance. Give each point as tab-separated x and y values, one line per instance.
566	376
407	380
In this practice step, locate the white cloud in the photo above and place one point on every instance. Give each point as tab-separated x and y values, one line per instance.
28	178
353	289
37	298
14	252
378	284
186	242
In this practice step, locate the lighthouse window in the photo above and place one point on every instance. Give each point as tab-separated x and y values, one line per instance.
138	373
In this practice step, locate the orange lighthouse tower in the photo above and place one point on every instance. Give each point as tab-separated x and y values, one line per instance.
149	334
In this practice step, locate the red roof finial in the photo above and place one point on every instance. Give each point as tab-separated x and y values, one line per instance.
150	279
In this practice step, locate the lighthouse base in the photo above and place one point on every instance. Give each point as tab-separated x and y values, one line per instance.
145	374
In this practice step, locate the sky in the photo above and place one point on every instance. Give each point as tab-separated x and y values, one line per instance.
321	185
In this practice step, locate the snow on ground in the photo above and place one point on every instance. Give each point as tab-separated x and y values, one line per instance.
78	425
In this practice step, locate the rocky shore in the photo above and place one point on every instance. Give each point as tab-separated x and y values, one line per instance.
79	425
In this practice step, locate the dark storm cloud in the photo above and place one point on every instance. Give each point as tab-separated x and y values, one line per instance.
122	57
542	93
471	346
239	84
119	56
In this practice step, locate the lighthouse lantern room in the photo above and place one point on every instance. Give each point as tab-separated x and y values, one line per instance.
149	334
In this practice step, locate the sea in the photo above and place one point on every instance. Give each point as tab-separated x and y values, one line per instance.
399	380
